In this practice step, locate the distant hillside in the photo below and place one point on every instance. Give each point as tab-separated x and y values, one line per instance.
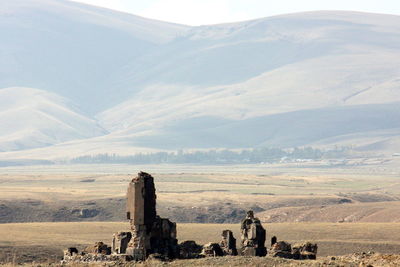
73	49
308	79
35	118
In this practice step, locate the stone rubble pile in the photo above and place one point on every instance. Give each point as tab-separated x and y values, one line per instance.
190	250
305	251
98	248
302	251
212	250
281	249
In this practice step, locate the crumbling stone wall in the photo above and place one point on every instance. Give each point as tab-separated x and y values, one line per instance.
120	242
253	236
228	243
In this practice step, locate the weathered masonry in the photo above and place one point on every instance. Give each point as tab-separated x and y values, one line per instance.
150	233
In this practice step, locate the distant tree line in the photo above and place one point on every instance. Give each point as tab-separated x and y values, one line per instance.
257	155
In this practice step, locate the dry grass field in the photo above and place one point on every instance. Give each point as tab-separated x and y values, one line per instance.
26	242
277	192
344	209
68	182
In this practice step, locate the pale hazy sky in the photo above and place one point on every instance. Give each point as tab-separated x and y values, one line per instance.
200	12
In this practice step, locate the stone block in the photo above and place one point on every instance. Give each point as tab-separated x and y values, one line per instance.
120	242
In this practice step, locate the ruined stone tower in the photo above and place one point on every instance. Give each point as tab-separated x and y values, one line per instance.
141	200
150	233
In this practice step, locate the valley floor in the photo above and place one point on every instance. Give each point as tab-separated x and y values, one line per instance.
345	210
44	242
296	192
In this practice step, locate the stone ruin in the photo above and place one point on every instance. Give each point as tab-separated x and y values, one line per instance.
212	250
190	250
98	248
281	249
302	251
253	236
228	243
305	251
227	246
120	242
151	235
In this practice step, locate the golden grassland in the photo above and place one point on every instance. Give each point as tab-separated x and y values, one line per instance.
333	238
287	194
243	186
264	182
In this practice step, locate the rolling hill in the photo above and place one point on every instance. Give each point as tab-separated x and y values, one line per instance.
35	118
72	49
308	79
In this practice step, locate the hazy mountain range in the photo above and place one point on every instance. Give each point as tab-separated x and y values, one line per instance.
79	80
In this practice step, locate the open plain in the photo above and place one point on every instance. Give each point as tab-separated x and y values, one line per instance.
345	209
44	242
355	191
